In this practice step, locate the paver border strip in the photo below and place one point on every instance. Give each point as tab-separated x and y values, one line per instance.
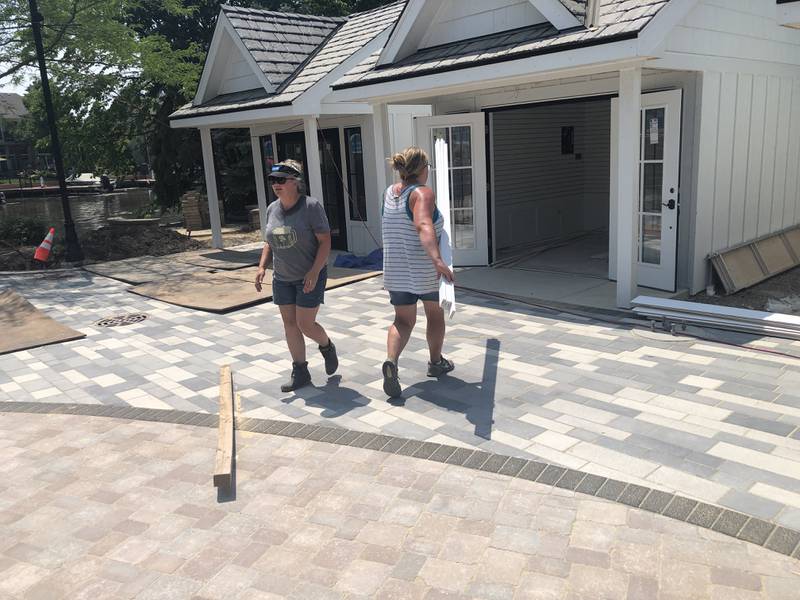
700	514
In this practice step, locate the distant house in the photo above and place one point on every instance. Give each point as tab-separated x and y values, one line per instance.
16	154
672	127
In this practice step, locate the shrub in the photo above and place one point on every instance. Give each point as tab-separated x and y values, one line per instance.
23	231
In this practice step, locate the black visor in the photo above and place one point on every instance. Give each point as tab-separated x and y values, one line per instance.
281	170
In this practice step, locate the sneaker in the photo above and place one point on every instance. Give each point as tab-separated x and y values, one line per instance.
299	377
441	367
391	384
331	360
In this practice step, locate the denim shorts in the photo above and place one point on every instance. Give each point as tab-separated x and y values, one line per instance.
291	292
406	298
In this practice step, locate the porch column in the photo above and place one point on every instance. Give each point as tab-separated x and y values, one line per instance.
380	134
313	167
627	174
211	187
261	192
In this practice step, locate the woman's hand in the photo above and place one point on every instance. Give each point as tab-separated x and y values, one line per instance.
443	270
260	277
310	281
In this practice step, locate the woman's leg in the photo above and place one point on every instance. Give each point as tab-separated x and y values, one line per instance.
405	317
307	322
294	337
435	329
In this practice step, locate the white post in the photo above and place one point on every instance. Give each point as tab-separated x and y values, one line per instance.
627	174
211	187
313	167
261	191
380	135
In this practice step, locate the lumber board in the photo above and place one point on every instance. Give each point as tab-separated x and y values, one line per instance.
223	465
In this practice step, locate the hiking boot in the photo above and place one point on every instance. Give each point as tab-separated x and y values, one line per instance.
299	377
440	367
331	360
391	384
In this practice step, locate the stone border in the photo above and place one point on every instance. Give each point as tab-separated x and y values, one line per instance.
731	523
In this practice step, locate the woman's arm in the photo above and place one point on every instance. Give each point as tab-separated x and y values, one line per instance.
324	250
424	204
262	266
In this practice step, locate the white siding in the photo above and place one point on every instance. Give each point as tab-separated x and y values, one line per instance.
736	29
748	161
459	20
539	192
238	76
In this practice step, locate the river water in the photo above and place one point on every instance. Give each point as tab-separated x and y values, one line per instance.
89	212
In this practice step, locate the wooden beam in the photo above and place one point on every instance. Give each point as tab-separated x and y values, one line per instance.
223	466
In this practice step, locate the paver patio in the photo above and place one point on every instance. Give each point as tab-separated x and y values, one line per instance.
708	420
95	508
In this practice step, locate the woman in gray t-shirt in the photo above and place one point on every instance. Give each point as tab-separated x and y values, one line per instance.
299	242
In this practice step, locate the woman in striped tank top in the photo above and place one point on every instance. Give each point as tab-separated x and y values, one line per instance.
412	265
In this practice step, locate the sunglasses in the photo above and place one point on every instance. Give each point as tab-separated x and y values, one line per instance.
280	180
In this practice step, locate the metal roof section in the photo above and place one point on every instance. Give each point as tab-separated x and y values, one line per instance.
618	19
279	40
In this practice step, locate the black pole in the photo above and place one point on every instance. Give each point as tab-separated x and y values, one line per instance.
73	248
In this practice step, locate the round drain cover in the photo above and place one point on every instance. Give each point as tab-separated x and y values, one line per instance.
121	320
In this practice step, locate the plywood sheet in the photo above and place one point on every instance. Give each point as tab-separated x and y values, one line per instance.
23	326
142	269
220	259
228	290
793	238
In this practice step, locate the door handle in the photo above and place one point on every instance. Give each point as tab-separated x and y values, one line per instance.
670	204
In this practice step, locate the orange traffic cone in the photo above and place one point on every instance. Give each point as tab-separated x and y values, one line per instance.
43	251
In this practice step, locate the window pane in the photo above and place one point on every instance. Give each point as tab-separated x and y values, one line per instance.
438	133
463	228
651	239
461	155
653	134
355	174
461	195
652	177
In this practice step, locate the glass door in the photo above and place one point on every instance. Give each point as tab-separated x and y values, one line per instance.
464	136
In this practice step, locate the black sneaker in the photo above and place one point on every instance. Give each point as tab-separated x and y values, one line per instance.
299	377
441	367
391	384
331	360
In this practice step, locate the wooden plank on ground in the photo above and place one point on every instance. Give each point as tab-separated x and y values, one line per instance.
223	465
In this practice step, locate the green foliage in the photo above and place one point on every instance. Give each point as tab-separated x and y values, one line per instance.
118	69
22	231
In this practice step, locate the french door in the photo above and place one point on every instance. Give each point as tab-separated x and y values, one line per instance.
659	165
464	136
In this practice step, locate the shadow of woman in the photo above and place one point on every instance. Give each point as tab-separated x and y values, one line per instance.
333	398
475	400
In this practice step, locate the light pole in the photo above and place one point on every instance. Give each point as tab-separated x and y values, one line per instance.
73	248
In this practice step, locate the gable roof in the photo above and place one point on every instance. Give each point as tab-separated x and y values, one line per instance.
278	42
618	20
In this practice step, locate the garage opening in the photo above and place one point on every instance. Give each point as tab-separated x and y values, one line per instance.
551	178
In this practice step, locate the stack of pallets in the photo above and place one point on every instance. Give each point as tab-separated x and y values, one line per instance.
194	205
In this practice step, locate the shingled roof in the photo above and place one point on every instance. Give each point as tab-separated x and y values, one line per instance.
283	46
619	19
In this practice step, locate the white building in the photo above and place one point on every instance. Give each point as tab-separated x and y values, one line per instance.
668	128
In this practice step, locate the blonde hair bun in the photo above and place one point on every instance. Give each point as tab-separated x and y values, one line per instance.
410	162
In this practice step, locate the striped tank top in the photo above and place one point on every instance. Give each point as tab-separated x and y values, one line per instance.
406	265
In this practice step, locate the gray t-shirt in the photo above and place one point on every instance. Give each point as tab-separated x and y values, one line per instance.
291	236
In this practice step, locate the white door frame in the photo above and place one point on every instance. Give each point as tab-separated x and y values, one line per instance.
661	276
479	254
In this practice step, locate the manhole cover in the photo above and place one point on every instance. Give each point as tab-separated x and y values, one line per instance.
121	320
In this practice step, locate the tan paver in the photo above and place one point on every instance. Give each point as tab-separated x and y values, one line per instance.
103	513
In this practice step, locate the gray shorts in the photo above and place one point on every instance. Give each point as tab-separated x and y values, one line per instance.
406	298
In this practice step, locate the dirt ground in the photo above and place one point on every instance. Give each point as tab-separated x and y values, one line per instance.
113	243
777	294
